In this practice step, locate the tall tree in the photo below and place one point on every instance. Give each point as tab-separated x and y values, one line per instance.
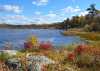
93	18
92	10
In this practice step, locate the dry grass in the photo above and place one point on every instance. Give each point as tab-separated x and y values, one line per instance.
94	36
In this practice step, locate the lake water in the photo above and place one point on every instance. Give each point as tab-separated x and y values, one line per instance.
18	36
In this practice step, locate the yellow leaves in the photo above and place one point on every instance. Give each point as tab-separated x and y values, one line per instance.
33	40
56	56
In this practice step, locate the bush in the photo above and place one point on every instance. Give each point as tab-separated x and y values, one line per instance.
46	45
87	55
28	45
32	42
71	56
4	56
87	28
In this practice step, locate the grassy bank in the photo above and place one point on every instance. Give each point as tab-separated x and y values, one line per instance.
92	36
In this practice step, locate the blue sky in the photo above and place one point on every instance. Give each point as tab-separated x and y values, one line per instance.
42	11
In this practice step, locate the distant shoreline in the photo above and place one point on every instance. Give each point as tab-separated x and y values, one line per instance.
31	26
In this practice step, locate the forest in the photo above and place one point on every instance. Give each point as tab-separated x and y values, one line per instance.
89	22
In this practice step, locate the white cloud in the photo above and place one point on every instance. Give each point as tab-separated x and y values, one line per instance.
40	2
11	8
83	13
56	15
51	15
15	19
70	9
47	18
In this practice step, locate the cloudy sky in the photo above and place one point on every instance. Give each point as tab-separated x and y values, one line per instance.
42	11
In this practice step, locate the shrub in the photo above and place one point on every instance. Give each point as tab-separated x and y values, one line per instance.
87	55
80	49
28	45
31	42
46	45
4	56
71	56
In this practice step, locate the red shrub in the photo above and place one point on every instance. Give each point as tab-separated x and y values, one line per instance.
86	55
28	45
71	56
80	49
46	45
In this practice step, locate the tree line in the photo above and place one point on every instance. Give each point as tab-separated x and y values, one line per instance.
89	22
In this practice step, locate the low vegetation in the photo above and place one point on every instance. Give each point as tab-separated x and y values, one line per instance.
78	57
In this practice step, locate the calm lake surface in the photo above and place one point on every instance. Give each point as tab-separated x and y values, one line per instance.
18	36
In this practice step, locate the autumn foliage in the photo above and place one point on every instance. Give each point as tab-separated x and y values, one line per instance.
46	45
85	55
31	42
28	45
71	56
80	49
